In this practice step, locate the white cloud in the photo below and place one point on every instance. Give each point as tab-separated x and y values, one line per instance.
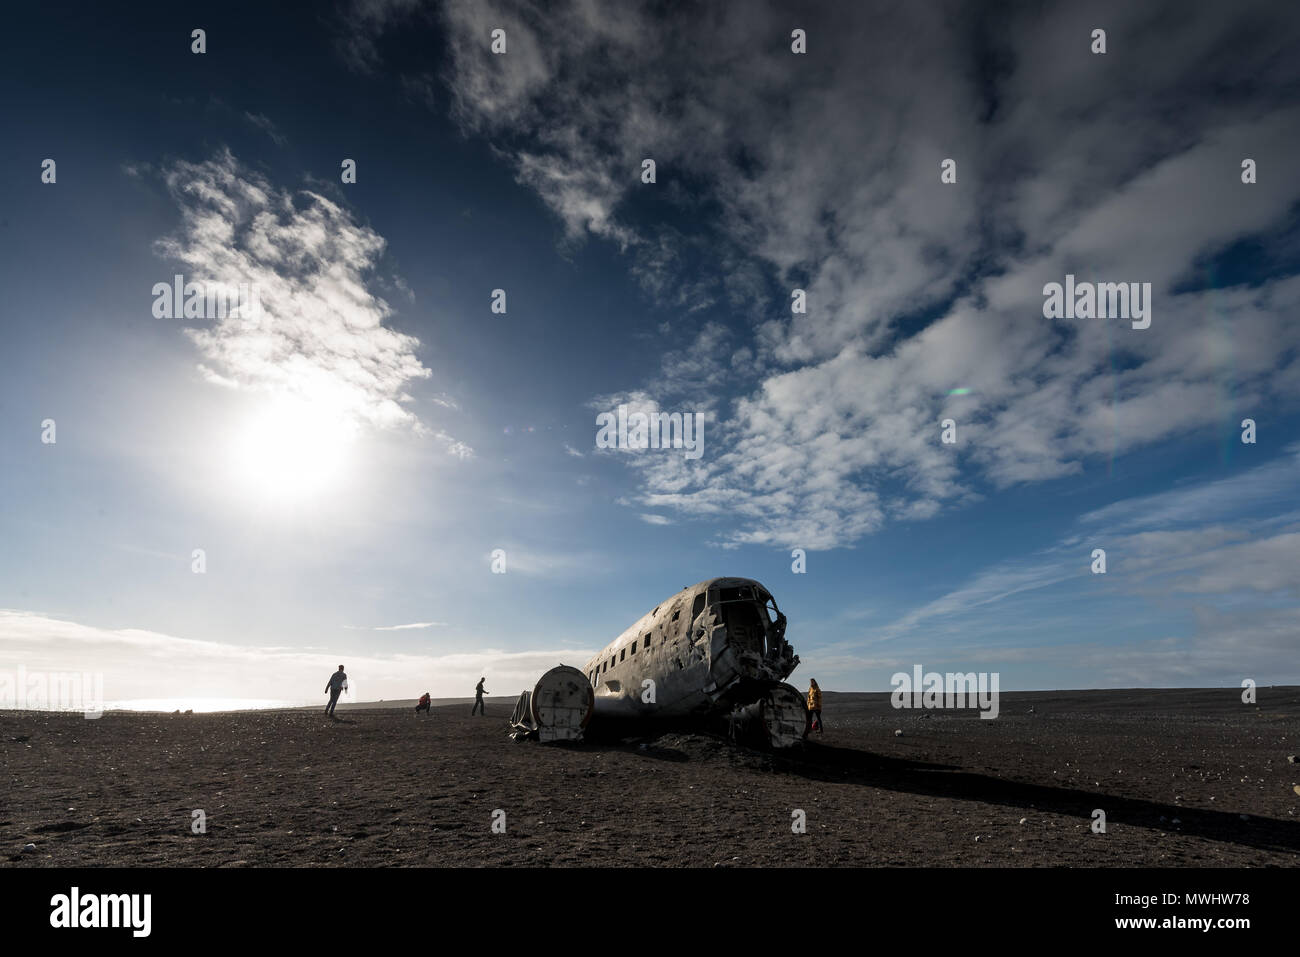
320	332
137	663
822	172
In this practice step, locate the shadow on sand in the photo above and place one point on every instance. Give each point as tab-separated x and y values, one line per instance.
821	762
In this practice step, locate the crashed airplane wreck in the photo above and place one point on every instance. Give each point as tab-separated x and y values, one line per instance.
714	652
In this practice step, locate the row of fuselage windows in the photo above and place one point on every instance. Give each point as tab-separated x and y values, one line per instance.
594	675
604	666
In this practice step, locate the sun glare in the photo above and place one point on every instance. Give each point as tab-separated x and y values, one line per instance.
290	449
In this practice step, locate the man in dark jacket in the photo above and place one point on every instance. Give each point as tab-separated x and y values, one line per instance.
338	681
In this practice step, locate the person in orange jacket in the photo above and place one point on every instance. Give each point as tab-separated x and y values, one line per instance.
815	705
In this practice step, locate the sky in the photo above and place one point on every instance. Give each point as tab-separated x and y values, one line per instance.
206	508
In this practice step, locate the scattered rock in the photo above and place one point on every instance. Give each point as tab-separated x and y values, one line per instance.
898	734
1023	820
1176	821
29	848
1291	759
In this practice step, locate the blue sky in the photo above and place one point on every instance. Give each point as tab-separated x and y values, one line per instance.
349	460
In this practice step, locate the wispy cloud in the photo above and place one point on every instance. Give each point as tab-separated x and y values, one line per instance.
320	332
548	563
267	126
1235	574
412	625
1269	487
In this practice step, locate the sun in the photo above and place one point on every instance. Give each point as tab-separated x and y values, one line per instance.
291	449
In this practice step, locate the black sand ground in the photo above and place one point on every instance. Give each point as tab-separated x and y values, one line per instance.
1191	778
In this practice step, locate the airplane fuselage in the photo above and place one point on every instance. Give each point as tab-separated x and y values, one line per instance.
709	649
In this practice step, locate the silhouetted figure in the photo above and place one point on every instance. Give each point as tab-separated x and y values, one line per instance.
425	705
815	706
478	699
338	681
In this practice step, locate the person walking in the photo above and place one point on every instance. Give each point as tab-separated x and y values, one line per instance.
815	706
338	681
478	699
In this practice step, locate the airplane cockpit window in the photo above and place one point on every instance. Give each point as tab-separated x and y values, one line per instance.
698	606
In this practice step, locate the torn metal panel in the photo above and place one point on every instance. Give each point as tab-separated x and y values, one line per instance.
522	718
778	719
